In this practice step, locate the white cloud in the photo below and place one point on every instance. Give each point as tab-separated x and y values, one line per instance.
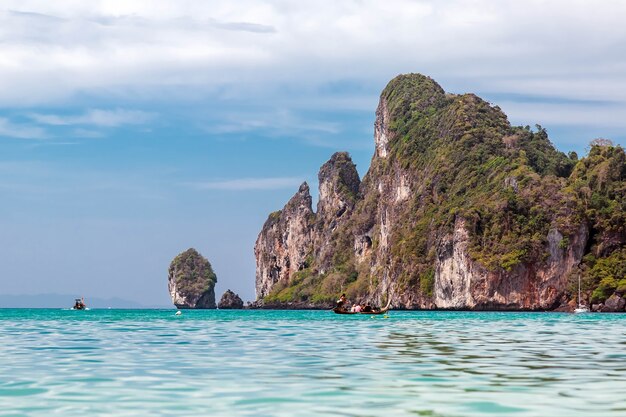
564	114
54	50
20	131
245	184
288	53
95	117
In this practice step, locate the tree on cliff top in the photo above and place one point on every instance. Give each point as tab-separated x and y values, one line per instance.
192	272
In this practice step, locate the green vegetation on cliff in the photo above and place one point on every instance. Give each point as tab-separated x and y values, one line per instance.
599	183
503	180
465	162
192	273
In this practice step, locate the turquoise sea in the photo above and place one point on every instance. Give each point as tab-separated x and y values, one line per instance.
310	363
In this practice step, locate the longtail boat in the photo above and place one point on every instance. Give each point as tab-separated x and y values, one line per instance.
338	310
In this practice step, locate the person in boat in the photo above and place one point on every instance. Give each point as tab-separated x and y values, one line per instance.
356	308
79	304
341	303
367	308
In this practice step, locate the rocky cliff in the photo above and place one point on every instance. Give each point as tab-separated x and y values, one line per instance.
285	243
230	301
458	210
191	281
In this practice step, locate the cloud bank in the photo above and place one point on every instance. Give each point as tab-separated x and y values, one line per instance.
303	54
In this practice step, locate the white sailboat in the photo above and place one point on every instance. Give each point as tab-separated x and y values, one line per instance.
581	307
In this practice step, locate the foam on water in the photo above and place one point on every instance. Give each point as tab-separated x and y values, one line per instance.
306	363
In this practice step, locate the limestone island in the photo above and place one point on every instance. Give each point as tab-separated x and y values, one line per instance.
191	281
458	210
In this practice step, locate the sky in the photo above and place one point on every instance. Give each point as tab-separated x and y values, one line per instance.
133	130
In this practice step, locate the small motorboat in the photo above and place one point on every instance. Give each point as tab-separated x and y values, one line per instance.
79	304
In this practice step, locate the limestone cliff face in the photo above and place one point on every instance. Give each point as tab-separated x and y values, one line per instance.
458	210
285	242
191	281
338	190
462	283
381	131
338	193
294	236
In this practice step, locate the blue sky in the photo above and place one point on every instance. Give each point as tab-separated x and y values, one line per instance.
132	130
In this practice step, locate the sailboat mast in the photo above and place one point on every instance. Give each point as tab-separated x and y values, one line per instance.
579	290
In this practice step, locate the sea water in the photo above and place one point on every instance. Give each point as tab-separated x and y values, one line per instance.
310	363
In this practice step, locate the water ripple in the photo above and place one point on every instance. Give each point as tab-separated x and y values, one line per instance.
306	363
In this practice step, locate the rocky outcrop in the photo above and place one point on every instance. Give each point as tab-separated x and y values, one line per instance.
191	281
285	242
338	190
458	210
230	301
338	193
613	304
294	236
